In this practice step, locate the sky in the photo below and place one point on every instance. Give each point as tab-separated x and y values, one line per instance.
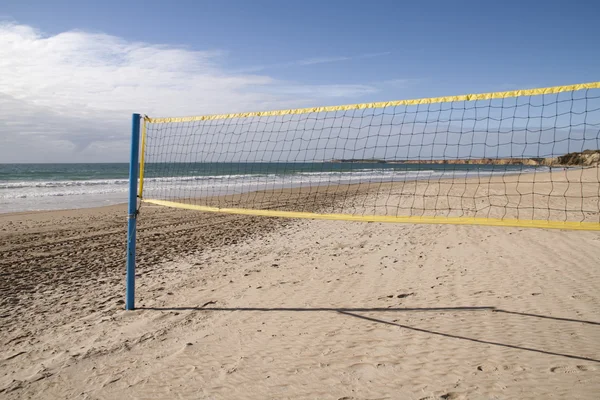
72	72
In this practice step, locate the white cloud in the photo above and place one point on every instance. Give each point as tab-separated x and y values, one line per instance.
401	83
325	90
68	97
313	61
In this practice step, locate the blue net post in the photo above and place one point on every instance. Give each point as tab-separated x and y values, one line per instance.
132	212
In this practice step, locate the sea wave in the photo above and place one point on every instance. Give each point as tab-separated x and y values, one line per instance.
99	182
197	178
234	183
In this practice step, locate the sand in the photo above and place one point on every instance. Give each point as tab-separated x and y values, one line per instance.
561	195
244	307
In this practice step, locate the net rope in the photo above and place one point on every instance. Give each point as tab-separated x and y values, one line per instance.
521	158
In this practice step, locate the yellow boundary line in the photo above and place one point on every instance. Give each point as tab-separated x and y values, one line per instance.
581	226
142	158
431	100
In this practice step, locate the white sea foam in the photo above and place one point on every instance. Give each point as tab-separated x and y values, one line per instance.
32	195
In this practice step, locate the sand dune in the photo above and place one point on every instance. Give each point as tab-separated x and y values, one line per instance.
242	307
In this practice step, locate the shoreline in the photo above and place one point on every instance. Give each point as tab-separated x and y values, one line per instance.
483	179
17	202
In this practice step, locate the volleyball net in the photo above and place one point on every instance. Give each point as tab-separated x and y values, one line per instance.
519	158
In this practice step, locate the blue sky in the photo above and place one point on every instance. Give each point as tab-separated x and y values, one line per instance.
217	56
453	46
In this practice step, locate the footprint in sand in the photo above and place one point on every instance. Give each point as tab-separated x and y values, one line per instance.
495	368
570	369
445	396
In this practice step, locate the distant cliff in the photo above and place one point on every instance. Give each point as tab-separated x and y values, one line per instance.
584	158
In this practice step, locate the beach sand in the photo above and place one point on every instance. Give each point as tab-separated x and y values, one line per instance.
250	307
561	195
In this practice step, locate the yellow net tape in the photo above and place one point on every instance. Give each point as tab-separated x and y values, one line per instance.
582	226
362	106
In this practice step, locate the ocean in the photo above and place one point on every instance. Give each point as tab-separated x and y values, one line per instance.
28	187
